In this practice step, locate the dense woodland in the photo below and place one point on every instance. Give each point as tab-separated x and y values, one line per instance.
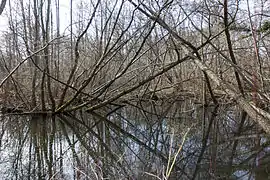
122	54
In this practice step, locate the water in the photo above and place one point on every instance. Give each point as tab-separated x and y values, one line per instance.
139	141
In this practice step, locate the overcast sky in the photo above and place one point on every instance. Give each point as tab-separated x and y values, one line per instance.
64	15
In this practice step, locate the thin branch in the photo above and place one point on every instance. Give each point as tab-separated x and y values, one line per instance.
25	59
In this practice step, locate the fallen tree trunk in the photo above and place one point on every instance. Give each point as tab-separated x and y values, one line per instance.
257	114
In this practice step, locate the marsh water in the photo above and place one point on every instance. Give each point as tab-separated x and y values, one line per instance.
145	140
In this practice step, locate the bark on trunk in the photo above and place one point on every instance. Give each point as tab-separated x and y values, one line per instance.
257	114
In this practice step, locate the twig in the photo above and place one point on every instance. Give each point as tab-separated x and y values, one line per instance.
177	153
24	60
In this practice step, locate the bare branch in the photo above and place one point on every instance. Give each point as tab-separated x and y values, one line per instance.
25	59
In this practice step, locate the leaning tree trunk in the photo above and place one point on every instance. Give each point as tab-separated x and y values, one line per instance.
2	6
257	114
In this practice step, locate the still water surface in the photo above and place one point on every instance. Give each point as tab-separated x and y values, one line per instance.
155	140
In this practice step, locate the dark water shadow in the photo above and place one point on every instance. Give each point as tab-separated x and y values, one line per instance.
139	141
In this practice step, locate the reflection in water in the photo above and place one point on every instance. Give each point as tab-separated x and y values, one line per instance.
135	142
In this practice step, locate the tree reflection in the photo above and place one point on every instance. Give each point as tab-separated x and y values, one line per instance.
138	141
